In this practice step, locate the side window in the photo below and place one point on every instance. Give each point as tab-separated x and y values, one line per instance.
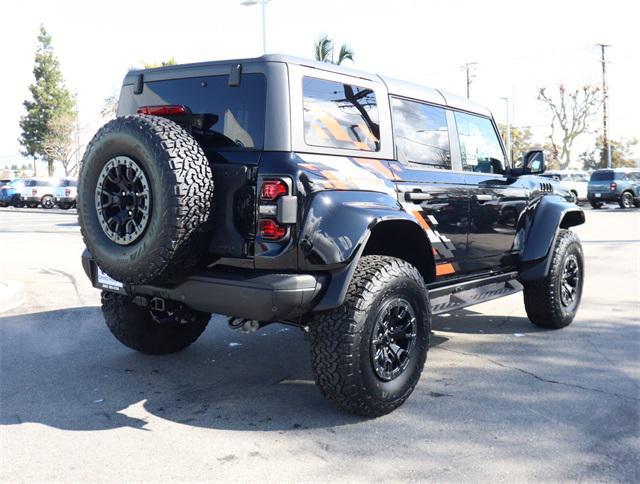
338	115
479	145
420	133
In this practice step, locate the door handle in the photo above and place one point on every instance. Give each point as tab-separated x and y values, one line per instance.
483	197
417	196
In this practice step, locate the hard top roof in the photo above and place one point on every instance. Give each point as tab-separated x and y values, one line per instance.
394	86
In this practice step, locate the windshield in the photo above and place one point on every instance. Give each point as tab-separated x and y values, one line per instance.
222	117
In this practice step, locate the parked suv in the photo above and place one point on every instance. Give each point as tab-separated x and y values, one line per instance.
38	191
65	193
353	206
575	181
615	185
10	193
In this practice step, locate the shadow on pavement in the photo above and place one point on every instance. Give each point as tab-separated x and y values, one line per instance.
472	322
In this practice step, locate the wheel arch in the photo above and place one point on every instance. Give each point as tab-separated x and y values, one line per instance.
539	229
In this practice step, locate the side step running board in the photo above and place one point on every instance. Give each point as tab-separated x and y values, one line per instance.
456	296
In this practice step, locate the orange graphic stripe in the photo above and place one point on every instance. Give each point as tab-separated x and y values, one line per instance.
334	127
334	181
377	166
444	268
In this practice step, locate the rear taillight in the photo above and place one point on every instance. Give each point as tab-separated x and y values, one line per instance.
34	191
274	209
613	187
67	192
273	189
170	110
271	230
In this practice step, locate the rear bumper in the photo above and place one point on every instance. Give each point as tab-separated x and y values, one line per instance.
603	196
263	296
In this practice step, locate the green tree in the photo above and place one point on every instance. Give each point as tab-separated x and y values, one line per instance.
621	154
521	140
324	51
151	65
50	98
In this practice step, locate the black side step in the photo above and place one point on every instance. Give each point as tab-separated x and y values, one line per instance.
457	296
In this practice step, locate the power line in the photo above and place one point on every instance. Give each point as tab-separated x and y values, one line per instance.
605	98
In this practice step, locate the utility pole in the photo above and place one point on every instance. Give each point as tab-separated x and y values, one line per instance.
467	67
263	4
77	137
605	98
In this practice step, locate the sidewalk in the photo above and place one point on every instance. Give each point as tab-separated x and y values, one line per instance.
12	295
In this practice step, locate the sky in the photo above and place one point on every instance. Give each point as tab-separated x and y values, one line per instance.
518	47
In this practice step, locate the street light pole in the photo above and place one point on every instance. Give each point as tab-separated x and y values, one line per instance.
263	4
506	100
605	99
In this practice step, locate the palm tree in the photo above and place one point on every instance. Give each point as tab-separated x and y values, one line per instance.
324	51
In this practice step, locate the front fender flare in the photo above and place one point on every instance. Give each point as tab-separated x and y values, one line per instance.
537	231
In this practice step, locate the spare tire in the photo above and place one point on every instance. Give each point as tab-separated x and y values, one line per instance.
144	199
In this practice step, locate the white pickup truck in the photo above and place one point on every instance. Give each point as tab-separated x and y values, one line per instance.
65	194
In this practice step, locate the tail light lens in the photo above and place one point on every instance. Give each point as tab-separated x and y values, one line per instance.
271	230
613	187
34	191
67	192
170	110
273	189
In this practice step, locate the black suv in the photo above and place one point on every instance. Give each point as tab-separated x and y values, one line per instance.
348	204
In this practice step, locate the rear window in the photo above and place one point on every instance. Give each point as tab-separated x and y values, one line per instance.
223	118
338	115
69	183
602	175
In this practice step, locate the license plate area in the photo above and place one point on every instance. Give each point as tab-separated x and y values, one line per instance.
598	195
106	282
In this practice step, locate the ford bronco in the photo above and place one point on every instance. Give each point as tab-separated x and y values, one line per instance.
351	205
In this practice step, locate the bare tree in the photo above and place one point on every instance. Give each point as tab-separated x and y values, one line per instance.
571	114
59	144
110	107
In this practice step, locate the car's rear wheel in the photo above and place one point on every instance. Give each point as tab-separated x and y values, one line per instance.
151	332
552	302
626	200
65	205
144	199
368	354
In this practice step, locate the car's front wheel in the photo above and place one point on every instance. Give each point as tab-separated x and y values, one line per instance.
552	302
368	354
47	202
148	331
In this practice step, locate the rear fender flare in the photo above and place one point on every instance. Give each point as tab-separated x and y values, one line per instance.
335	232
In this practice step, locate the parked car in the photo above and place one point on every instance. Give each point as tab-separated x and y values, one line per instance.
4	181
10	193
38	191
621	185
575	181
349	205
65	193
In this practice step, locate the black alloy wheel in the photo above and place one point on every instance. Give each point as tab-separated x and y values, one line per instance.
123	200
394	337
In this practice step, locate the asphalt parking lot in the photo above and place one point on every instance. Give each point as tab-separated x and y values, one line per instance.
499	400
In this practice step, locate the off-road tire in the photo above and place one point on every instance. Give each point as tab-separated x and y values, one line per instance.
542	298
626	200
181	186
136	328
341	339
596	205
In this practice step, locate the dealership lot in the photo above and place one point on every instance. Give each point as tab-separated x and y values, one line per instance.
499	400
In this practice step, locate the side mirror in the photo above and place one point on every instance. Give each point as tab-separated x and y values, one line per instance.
534	162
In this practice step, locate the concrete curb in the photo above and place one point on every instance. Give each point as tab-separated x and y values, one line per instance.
12	295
